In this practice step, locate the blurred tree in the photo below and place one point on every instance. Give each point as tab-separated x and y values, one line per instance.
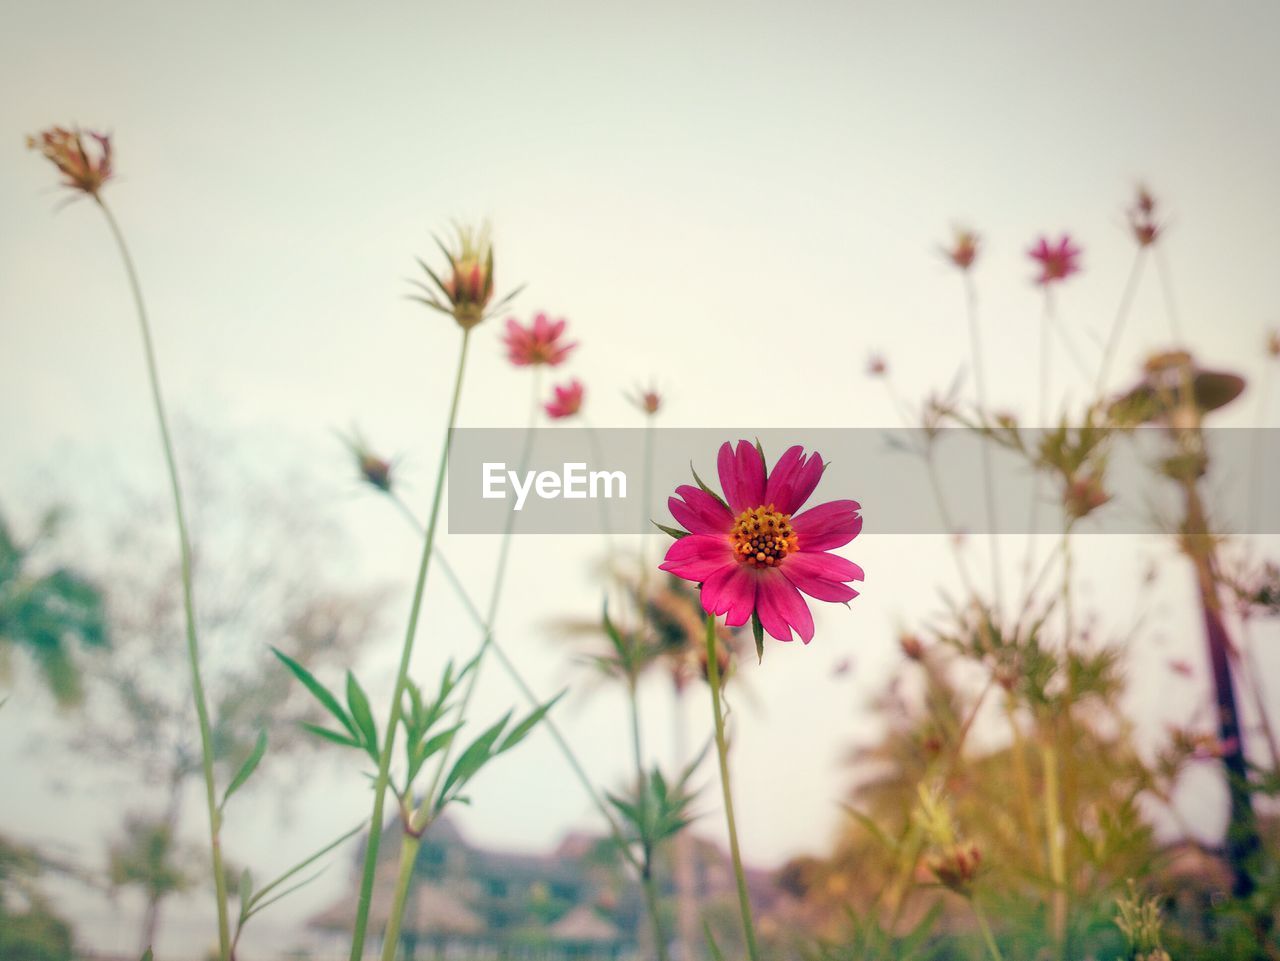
267	572
47	613
29	929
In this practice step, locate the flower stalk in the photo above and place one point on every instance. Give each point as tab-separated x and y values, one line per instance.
402	673
722	752
188	593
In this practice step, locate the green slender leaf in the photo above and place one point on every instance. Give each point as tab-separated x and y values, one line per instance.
476	756
303	865
757	630
362	715
674	532
329	735
246	887
247	768
707	490
521	730
318	690
716	953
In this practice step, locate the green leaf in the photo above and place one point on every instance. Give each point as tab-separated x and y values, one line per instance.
256	903
707	490
521	730
757	630
329	735
246	887
317	689
674	532
476	756
247	768
716	953
432	274
147	956
363	717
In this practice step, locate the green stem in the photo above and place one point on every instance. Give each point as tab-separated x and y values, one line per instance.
722	750
491	615
402	674
188	597
646	863
988	475
985	928
1054	831
408	858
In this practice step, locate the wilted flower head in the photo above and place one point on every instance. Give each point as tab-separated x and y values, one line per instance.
1273	343
1084	495
750	555
877	366
467	286
912	646
539	343
1057	261
373	470
647	399
86	168
954	862
964	248
1142	218
566	400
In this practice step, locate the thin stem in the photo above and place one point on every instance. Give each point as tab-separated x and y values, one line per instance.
1166	287
988	476
985	928
495	596
646	874
1122	315
188	594
402	673
1055	837
408	857
722	750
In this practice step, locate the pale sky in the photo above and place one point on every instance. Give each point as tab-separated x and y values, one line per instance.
708	195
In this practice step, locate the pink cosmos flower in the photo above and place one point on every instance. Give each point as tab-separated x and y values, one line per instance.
964	248
539	343
566	400
751	556
1057	261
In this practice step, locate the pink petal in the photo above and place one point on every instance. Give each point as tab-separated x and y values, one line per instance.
697	557
781	608
730	591
741	476
828	525
794	488
821	576
699	512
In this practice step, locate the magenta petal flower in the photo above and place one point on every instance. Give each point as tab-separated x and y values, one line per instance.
539	343
1057	261
752	553
566	400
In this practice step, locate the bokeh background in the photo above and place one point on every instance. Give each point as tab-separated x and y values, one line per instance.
709	194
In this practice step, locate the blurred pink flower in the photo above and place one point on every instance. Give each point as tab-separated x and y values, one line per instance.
647	399
1273	343
85	169
747	552
539	343
566	400
1142	218
964	248
877	366
1057	261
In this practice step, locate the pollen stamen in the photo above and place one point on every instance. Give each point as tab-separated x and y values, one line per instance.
763	536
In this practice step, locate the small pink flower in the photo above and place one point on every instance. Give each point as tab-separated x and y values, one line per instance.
647	399
86	168
1142	218
748	552
964	248
1057	261
566	400
539	343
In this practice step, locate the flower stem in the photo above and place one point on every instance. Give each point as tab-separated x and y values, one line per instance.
646	860
985	928
402	674
722	750
408	858
1056	841
188	597
1122	314
988	476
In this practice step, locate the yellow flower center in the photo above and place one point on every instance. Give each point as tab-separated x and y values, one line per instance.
762	536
